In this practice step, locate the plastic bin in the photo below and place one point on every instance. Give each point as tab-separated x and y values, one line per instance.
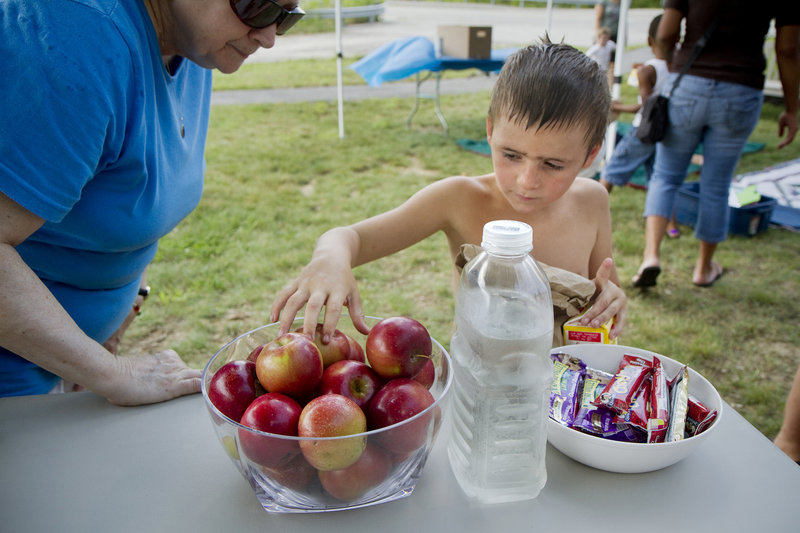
746	220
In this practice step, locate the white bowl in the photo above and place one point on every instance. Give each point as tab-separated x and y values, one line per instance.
630	457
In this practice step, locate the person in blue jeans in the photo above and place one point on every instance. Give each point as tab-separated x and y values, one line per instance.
718	103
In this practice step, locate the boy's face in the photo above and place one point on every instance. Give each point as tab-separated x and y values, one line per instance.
535	167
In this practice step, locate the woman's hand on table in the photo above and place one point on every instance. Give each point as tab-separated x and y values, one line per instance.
143	379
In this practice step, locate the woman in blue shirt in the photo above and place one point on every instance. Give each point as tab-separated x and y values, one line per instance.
103	124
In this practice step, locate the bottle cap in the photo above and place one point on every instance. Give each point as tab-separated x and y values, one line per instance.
507	237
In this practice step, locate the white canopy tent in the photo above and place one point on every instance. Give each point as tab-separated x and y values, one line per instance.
339	87
622	41
615	90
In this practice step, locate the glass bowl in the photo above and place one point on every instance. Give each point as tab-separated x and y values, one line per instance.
276	466
631	457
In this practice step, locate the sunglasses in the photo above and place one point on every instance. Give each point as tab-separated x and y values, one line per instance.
263	13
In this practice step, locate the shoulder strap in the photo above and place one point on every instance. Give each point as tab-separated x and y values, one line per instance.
698	47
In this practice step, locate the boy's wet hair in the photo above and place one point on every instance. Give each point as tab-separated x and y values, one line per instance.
553	86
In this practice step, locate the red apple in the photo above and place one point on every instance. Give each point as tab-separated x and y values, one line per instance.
353	379
356	351
233	387
354	481
398	347
290	364
399	400
273	413
297	474
427	375
254	353
332	415
337	349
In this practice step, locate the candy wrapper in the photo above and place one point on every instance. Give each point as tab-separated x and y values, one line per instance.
628	434
658	414
568	374
619	393
638	413
679	403
589	417
698	417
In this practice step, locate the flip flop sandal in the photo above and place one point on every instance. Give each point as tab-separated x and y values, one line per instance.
647	277
713	280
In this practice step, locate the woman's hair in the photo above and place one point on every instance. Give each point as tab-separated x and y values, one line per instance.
553	85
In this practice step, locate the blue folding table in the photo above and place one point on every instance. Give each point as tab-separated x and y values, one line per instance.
412	56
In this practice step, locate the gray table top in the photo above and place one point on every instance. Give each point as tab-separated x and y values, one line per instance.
73	462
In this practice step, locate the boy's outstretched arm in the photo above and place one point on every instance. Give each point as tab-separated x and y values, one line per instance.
326	281
610	300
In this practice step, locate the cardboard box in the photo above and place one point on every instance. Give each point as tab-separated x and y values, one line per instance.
746	220
575	333
466	42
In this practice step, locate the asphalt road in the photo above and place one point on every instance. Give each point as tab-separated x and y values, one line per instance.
511	26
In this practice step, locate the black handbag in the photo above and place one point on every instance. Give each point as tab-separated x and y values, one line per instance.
655	119
655	110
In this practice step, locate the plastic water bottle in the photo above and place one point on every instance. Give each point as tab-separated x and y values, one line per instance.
503	373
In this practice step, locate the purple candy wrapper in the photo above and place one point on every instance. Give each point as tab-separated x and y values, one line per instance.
628	434
568	374
589	417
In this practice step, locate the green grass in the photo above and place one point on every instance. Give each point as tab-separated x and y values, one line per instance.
278	176
287	74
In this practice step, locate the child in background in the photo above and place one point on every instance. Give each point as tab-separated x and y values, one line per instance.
631	153
603	51
546	121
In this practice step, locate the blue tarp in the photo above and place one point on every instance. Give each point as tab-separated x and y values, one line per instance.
405	57
397	60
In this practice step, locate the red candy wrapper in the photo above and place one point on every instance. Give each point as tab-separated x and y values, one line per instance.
638	414
698	417
619	393
658	414
568	374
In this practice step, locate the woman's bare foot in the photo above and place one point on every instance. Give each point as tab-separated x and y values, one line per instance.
672	229
706	278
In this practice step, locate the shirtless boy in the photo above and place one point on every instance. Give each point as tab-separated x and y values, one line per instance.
546	122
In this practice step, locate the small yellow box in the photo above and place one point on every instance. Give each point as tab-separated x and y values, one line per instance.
575	333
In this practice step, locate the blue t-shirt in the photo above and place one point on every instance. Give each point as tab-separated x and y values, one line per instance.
98	139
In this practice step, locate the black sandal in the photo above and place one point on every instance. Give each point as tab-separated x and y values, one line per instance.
647	277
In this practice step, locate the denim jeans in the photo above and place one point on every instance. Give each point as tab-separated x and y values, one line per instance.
721	116
629	154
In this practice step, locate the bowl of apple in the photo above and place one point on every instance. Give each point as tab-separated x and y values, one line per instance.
319	427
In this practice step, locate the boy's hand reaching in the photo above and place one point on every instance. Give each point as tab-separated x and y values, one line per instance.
610	302
321	283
